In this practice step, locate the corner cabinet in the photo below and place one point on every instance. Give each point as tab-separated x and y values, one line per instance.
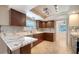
17	18
46	24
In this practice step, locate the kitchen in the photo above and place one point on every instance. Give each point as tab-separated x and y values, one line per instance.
18	30
35	29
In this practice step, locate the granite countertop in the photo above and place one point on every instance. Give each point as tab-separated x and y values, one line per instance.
75	34
15	41
28	33
32	33
19	39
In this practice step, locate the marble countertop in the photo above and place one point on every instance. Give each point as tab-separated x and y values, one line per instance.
15	41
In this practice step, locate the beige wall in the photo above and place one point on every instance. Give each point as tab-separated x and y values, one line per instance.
4	20
3	47
74	20
4	15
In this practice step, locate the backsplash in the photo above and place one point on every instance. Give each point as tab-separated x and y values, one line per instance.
11	29
14	29
47	30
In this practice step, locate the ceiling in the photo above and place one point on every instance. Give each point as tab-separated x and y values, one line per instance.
62	10
22	8
39	10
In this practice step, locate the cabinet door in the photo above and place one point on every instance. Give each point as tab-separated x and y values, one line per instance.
50	24
17	18
48	36
39	37
40	24
26	49
46	24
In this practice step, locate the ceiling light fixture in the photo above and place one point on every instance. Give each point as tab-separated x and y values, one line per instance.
46	10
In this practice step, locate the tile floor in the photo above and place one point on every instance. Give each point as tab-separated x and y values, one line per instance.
47	47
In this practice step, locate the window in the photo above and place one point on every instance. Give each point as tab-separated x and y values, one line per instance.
31	24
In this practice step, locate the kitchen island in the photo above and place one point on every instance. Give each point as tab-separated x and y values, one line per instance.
15	42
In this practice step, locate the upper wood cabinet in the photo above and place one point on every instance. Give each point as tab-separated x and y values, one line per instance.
39	23
17	18
42	24
50	24
46	24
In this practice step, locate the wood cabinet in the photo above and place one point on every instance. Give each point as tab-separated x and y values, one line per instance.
39	37
39	23
42	24
43	36
17	18
26	49
50	24
46	24
49	37
23	50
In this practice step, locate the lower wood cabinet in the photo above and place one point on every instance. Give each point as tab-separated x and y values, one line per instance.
23	50
49	37
43	36
39	37
26	49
